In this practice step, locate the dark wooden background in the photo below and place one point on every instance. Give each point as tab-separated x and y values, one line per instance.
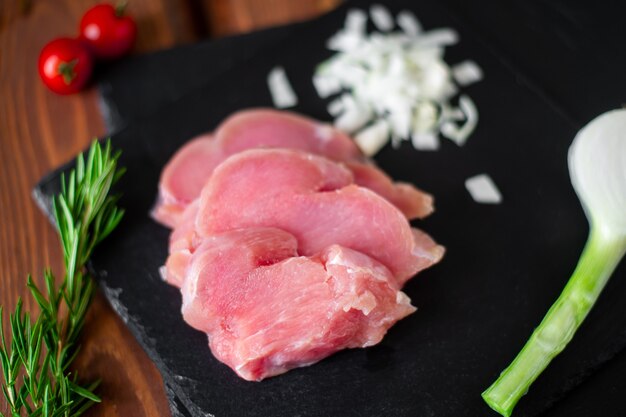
40	130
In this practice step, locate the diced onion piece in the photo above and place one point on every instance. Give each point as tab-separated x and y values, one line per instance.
356	21
436	80
326	86
448	91
438	38
354	117
163	273
335	107
373	138
458	134
400	121
381	17
483	190
451	113
425	141
283	95
467	72
424	117
344	41
353	33
409	23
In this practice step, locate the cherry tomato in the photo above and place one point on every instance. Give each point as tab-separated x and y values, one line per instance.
108	32
65	65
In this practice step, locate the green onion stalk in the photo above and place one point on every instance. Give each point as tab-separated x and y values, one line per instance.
597	166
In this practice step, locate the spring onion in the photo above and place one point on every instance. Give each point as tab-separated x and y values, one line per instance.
597	165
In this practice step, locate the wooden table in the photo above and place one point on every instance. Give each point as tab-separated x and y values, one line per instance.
40	130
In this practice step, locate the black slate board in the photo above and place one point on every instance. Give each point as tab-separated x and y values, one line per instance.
505	264
136	87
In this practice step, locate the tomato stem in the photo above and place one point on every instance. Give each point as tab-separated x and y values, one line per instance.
120	8
66	69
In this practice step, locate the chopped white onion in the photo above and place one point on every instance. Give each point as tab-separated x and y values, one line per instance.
436	80
449	90
460	134
400	121
399	77
373	138
326	86
381	17
396	142
283	95
438	38
409	23
452	113
352	34
483	190
425	141
354	117
425	117
467	72
335	107
343	41
356	21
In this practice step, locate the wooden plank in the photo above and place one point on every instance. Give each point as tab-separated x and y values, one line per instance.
226	17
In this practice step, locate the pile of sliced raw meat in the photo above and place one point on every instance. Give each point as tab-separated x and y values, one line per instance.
287	244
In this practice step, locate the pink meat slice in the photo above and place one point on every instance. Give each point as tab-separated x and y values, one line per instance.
267	310
183	178
256	128
413	202
183	234
314	199
183	240
190	168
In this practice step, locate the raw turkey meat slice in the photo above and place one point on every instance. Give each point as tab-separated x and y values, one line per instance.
413	202
271	128
314	199
189	169
183	177
183	240
183	234
267	310
185	174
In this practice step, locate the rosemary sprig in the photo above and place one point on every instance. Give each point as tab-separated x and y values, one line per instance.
37	379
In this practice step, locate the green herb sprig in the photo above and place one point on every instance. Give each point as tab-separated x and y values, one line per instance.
37	379
597	167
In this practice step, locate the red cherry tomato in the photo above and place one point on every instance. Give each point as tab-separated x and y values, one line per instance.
108	32
65	65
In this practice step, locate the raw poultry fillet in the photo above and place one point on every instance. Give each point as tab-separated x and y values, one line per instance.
314	199
190	168
288	245
268	310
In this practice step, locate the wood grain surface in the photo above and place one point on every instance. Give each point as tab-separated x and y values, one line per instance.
40	130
